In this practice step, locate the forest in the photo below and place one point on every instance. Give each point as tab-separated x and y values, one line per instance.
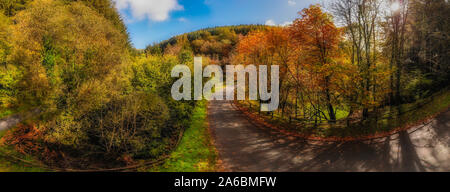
387	57
348	68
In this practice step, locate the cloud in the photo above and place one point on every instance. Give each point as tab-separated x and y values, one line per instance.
155	10
286	23
182	19
291	2
272	23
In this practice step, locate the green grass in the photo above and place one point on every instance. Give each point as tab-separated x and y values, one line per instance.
195	153
394	117
8	165
5	112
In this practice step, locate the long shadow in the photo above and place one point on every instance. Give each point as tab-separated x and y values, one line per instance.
410	161
261	150
442	127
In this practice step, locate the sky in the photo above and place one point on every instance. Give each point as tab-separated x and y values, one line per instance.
152	21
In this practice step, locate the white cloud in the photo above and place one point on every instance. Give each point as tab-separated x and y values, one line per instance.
286	23
155	10
182	19
291	2
270	22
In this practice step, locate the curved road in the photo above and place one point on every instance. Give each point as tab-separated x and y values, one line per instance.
244	147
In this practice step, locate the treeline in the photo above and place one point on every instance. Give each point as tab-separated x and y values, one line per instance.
99	103
215	43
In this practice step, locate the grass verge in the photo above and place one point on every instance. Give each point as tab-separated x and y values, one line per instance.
402	116
196	152
5	113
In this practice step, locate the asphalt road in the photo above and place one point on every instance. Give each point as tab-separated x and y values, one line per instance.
12	120
244	147
9	122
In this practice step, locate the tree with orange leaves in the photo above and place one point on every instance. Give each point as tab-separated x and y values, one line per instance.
269	47
318	37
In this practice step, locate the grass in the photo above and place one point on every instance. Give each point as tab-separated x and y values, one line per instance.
399	116
195	153
402	115
6	163
5	112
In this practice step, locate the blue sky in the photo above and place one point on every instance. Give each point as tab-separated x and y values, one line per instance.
150	21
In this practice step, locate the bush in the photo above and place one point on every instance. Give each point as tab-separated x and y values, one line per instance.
152	74
417	87
75	70
125	125
60	47
99	103
8	74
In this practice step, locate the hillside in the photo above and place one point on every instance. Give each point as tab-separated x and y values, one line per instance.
216	42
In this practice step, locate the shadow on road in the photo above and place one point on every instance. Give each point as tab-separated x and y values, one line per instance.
244	147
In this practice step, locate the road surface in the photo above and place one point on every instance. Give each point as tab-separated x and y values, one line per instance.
245	147
9	121
12	120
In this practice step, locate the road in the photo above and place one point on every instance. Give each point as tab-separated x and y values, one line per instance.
9	121
13	120
245	147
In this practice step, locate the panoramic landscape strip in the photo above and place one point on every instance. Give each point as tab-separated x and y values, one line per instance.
183	86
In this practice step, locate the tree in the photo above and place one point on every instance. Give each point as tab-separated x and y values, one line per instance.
316	33
361	20
11	7
397	19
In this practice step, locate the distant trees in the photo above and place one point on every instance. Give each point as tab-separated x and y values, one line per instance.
216	43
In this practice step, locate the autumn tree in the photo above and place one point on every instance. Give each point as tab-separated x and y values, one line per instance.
360	18
11	7
316	33
76	71
426	50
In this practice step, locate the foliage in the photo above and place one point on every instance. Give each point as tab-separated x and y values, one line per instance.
11	7
6	165
9	74
331	75
97	102
103	102
195	151
152	74
216	43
